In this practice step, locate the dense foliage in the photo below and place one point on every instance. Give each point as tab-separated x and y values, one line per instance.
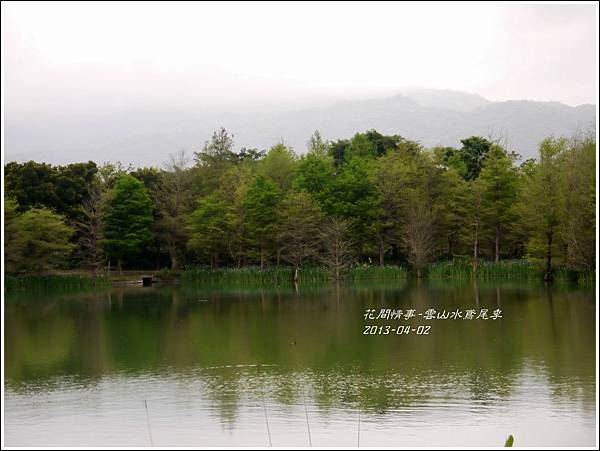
371	199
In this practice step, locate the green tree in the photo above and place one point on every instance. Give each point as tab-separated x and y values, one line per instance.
316	145
208	228
451	158
261	205
31	184
372	144
215	158
279	165
337	151
353	195
245	155
540	202
11	214
385	143
233	188
498	180
360	147
90	229
421	205
73	184
301	218
110	173
578	202
151	177
41	241
411	188
218	150
389	172
173	199
473	154
454	228
315	174
59	188
475	198
337	253
127	218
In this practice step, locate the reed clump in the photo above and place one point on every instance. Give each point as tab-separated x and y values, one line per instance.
283	275
461	269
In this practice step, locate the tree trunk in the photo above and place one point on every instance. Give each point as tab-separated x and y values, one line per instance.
120	265
476	249
174	259
381	253
262	255
497	244
548	277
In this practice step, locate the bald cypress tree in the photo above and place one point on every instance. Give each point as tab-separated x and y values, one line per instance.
127	219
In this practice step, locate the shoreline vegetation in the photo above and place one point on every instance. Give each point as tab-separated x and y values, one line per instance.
371	207
516	271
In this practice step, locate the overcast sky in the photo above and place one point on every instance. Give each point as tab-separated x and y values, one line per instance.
65	58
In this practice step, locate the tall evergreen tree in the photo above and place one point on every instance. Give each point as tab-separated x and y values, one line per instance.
540	203
498	180
301	220
127	218
261	204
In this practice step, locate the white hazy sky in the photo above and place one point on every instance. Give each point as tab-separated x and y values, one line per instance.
70	57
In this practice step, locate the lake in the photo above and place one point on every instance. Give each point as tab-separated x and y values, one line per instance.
190	366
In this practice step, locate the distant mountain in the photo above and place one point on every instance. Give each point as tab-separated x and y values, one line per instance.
432	117
446	99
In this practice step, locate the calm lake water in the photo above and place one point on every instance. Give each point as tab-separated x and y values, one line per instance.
187	366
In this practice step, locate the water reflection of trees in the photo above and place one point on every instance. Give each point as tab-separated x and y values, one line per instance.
313	338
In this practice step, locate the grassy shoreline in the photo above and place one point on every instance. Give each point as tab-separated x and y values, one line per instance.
452	270
54	281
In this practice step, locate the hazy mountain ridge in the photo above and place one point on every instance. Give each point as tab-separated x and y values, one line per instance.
144	137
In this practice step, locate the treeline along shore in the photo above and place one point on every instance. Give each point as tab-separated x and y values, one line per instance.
374	205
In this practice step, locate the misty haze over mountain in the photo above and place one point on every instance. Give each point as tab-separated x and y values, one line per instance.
117	81
145	137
